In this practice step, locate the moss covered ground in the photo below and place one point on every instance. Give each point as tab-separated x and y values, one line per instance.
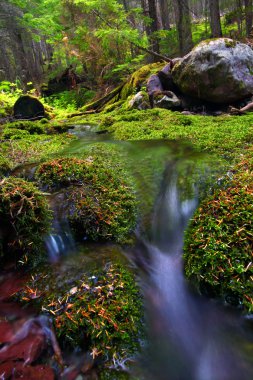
218	244
99	310
219	240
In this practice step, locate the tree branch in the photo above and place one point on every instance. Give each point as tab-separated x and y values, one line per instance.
151	52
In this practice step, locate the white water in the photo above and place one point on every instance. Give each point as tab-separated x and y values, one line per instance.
189	337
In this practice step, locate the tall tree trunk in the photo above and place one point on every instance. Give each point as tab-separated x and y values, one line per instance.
150	10
183	21
154	43
125	5
239	16
164	11
215	24
248	16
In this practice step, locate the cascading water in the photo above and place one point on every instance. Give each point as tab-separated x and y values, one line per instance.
189	338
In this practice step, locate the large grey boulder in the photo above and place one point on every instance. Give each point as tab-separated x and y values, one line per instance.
218	71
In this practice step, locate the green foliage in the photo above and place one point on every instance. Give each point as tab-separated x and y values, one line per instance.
9	93
219	241
88	34
25	218
70	100
101	206
101	312
10	88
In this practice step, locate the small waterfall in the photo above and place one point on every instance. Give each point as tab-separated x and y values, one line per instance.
189	338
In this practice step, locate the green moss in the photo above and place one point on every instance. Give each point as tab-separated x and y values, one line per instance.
229	43
225	135
101	205
32	148
219	242
4	166
101	311
24	219
32	127
14	134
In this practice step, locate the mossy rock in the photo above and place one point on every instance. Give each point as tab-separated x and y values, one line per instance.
217	71
139	78
100	311
219	244
98	202
24	220
28	107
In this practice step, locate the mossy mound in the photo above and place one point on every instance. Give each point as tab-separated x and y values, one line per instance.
219	243
139	79
30	127
101	311
24	219
4	166
98	203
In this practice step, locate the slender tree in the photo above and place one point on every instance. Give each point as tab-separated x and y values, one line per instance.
248	16
153	25
239	15
215	24
183	22
164	12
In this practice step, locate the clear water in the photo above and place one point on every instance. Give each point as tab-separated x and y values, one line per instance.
189	337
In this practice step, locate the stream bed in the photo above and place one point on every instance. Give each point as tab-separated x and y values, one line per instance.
186	336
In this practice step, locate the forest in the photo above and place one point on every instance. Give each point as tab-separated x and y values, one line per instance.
126	189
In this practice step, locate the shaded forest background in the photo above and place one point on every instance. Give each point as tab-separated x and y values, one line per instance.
104	41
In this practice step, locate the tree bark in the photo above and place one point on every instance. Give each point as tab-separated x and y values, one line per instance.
248	16
164	11
239	16
125	5
215	24
183	22
154	43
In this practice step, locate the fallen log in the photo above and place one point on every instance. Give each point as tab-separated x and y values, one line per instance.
97	105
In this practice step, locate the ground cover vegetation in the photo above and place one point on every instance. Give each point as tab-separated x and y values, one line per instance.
100	309
218	242
99	46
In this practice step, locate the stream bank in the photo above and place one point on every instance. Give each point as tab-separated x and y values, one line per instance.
229	137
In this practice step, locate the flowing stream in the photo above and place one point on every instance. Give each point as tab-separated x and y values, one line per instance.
189	337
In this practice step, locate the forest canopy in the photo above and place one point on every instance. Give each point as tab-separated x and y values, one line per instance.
106	40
